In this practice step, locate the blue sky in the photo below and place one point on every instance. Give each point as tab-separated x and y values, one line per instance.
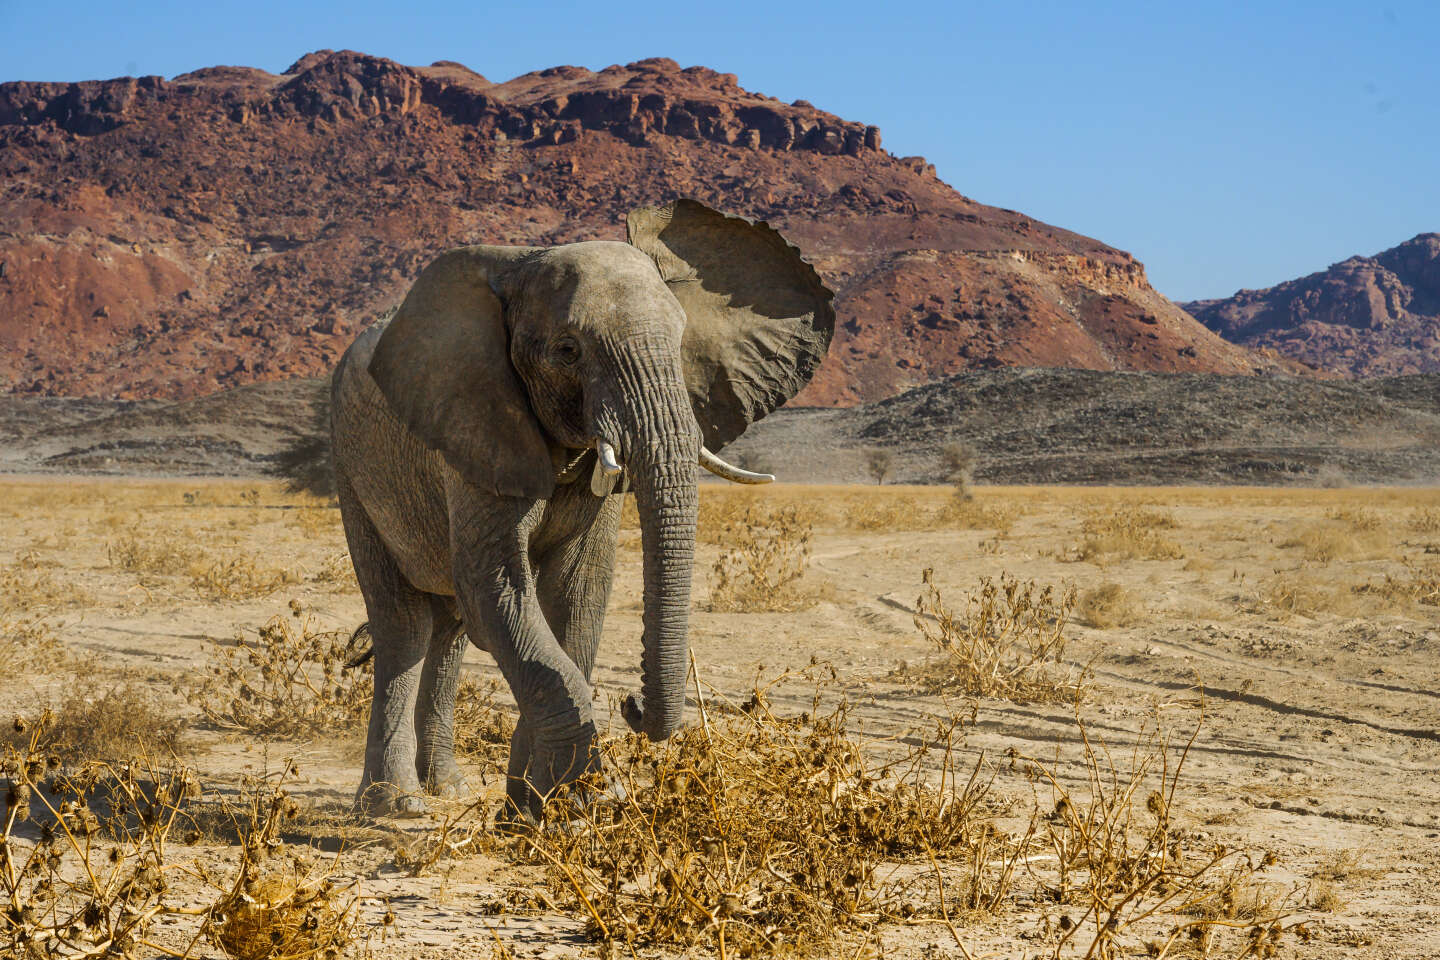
1227	145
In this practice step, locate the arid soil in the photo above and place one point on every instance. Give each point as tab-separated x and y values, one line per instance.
169	238
1023	426
1362	317
1306	622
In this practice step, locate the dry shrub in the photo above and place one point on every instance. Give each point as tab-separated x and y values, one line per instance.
91	720
336	573
33	643
1009	641
483	728
964	511
766	554
291	681
281	904
86	871
1418	584
1424	520
755	834
136	552
1287	594
1121	859
1109	605
29	587
1127	534
1334	539
1356	518
885	514
240	578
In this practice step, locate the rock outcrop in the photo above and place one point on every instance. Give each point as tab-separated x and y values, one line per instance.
1365	316
168	238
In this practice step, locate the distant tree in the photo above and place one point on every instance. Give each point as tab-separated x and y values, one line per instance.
879	463
957	461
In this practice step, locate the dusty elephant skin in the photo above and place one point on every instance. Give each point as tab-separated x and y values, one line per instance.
483	439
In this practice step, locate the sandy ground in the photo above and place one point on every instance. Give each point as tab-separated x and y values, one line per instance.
1320	741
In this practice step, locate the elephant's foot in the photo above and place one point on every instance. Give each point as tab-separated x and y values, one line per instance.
390	800
446	782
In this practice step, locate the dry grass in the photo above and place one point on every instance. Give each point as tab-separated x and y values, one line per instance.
290	681
148	552
765	557
1009	642
241	578
30	587
1109	605
34	643
1330	540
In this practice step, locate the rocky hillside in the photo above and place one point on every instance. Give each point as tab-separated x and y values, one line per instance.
168	238
1024	425
1366	316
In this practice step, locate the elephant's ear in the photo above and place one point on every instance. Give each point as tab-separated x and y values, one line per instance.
443	363
759	320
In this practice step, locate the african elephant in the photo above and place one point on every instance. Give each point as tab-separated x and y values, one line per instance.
483	439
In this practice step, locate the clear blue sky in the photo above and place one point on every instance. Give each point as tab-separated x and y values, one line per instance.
1226	145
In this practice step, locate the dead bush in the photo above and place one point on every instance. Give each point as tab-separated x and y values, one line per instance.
1424	520
755	834
290	681
1009	641
34	643
337	573
968	513
282	902
483	728
1418	584
1123	863
1109	605
766	554
28	588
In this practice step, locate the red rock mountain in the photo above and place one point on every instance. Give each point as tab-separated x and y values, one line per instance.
167	238
1363	317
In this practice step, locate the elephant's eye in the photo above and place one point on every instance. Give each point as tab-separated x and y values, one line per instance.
565	351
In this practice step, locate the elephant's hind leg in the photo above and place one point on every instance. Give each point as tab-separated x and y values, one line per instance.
435	704
401	628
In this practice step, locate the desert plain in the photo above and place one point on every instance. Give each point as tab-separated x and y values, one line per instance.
1218	733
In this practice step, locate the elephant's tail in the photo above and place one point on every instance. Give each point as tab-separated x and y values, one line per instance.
360	636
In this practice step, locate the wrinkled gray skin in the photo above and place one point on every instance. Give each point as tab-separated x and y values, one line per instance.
463	444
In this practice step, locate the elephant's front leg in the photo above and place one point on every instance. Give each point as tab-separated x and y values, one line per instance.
575	565
495	584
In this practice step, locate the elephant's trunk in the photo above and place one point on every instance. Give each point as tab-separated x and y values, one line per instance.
660	449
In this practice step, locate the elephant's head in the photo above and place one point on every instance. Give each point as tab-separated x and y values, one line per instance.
510	360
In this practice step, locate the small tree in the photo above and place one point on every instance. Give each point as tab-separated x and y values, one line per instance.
957	460
879	462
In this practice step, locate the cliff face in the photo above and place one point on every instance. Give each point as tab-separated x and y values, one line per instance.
169	238
1365	316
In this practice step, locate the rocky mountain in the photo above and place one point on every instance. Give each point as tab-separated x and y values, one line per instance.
1362	317
168	238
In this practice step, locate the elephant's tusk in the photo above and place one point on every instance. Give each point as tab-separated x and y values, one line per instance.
608	463
731	472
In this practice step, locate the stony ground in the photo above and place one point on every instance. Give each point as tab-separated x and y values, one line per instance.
1310	619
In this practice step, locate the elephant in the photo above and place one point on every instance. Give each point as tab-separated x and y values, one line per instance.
483	439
